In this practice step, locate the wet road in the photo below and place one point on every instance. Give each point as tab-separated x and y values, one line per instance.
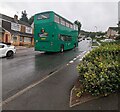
53	93
29	66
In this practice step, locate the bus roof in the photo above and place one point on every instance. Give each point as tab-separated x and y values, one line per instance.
54	13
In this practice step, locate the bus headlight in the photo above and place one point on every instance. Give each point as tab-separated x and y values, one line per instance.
36	40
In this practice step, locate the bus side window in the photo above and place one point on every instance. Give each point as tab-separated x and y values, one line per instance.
67	24
65	37
57	19
62	38
62	21
59	36
69	38
70	25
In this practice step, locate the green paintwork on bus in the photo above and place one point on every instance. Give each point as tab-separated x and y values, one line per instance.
53	30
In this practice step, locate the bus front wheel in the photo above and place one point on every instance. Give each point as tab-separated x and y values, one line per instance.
61	48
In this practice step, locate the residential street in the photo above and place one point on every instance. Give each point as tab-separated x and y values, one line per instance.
29	66
53	93
58	56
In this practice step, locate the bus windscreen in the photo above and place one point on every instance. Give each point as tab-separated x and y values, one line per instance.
43	16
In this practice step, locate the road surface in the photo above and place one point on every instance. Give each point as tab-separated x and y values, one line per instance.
53	92
29	66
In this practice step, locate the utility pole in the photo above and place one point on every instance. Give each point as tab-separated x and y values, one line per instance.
119	14
95	30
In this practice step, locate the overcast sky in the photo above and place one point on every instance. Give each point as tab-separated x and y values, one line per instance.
90	14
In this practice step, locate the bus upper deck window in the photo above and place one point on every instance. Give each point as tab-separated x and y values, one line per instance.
43	16
57	19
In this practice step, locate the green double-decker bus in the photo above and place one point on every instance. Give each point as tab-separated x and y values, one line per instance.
53	33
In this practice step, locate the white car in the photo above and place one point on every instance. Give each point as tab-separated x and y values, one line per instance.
7	50
88	38
80	39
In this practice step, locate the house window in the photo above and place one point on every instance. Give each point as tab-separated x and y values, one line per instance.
28	30
15	26
27	39
21	39
14	39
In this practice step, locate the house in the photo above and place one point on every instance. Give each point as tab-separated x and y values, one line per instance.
15	31
112	32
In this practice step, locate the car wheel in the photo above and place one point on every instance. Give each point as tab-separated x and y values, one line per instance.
10	54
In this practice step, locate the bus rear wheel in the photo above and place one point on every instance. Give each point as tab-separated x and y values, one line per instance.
61	48
75	45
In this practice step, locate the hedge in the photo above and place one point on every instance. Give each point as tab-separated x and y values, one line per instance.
99	71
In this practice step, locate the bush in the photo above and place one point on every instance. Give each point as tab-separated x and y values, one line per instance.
100	70
118	37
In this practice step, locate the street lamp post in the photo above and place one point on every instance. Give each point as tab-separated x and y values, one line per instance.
95	30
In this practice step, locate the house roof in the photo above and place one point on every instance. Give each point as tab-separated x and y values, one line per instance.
5	17
115	28
19	33
6	26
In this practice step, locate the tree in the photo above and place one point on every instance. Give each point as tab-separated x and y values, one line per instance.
92	34
24	16
118	37
31	19
79	25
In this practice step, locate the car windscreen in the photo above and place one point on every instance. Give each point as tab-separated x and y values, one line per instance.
8	45
1	46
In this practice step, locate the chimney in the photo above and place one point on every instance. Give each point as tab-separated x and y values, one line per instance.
15	18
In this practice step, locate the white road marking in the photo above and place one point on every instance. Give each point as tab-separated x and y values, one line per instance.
80	59
26	89
71	61
74	59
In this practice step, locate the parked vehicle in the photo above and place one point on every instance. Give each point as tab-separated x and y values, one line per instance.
94	40
88	38
108	40
80	39
7	50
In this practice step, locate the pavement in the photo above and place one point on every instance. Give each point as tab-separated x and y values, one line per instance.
22	47
47	87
